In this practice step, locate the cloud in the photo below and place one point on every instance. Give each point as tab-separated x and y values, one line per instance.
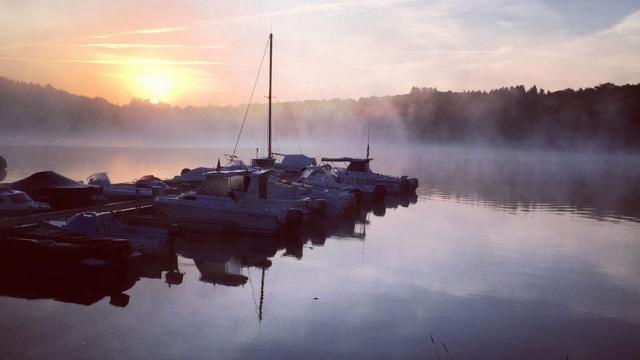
148	46
143	32
129	61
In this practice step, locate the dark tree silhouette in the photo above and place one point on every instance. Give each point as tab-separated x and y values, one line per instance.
605	116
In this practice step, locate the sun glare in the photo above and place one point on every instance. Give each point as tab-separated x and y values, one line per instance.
155	87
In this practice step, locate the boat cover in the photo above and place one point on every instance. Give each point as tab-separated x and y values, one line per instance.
48	180
297	162
346	159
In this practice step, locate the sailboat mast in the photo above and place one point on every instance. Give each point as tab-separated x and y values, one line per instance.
261	296
270	66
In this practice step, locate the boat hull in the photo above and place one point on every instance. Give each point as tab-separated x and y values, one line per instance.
200	218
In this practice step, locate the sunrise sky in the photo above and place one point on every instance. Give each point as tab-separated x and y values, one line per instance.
207	52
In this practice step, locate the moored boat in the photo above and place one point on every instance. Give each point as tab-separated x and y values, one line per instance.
359	172
58	191
149	241
145	187
232	199
19	203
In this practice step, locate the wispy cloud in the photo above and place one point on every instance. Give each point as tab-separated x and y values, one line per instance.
159	30
148	46
131	61
299	10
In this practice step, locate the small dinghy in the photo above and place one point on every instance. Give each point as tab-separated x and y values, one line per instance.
18	203
150	242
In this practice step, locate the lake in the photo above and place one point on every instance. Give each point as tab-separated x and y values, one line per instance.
502	254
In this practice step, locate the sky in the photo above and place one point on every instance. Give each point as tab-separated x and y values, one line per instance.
208	52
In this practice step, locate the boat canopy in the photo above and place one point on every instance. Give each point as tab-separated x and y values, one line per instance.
296	162
100	178
228	173
355	164
346	159
223	181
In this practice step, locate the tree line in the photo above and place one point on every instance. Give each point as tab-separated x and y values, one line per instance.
605	116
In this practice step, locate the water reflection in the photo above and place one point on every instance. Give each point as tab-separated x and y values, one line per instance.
597	186
81	284
494	258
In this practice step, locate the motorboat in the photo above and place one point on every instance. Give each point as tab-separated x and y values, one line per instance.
192	176
233	200
197	175
292	165
359	172
332	202
149	241
18	203
325	176
150	182
145	187
58	191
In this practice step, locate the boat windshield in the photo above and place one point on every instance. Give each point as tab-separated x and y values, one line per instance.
222	185
216	186
19	198
236	183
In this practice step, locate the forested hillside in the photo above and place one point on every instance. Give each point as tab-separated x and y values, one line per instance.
606	116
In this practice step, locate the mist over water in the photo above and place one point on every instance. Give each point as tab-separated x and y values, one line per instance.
524	251
500	245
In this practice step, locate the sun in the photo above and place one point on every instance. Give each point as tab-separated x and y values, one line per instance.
154	86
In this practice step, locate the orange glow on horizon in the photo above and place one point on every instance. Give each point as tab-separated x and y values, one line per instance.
155	86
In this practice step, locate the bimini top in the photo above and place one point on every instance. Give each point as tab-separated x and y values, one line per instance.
346	159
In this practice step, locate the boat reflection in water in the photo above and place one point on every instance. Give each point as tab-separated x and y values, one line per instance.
80	283
220	259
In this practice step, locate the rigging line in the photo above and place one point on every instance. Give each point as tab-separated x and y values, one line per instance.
264	53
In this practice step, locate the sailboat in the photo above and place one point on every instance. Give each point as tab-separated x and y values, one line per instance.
269	161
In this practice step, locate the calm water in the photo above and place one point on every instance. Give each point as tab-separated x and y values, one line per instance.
501	255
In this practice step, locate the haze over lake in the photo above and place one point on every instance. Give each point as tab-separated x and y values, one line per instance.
502	254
